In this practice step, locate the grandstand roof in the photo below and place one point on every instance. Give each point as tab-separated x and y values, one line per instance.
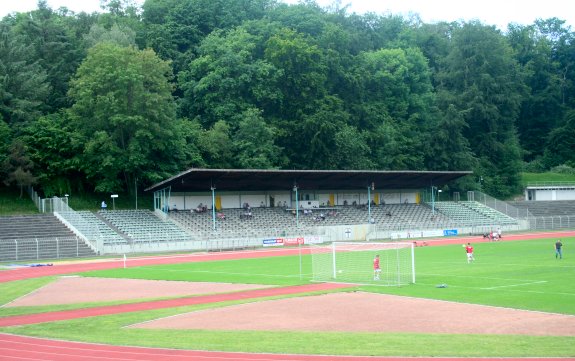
201	180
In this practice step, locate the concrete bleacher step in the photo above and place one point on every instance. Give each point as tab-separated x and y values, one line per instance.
40	236
33	226
113	227
546	208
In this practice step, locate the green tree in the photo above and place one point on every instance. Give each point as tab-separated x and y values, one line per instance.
116	35
19	166
5	140
53	146
228	78
481	78
396	103
449	149
542	108
303	77
54	47
353	151
124	111
254	143
175	28
216	146
560	143
23	82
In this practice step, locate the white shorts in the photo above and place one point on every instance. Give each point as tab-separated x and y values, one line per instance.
470	255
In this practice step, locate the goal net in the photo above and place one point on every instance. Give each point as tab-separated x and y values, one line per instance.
353	262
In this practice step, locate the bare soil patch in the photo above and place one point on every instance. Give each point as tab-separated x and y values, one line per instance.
366	312
69	290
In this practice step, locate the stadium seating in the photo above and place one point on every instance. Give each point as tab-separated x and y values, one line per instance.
34	226
470	213
547	208
278	221
39	237
144	226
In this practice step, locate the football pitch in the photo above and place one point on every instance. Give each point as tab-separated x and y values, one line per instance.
518	274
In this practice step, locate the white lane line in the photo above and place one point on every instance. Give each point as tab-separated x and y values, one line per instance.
515	285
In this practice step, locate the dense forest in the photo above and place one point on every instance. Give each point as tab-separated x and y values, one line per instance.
99	102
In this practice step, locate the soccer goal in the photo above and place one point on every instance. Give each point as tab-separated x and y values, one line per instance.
353	262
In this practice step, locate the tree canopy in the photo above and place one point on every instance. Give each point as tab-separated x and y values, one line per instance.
132	95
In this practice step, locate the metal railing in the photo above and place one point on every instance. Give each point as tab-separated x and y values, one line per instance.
499	205
551	184
42	248
552	222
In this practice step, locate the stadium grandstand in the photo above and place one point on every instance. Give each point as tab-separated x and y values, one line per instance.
217	209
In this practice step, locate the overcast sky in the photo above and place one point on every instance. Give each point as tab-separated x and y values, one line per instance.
491	12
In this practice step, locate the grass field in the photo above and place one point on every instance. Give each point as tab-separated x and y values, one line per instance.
519	274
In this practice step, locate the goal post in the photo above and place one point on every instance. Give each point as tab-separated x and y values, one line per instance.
353	262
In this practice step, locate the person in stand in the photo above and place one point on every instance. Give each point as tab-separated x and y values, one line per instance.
558	252
104	205
376	268
469	252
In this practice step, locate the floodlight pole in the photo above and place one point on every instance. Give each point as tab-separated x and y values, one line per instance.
433	200
369	203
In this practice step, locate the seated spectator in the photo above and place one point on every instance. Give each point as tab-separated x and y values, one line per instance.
345	203
174	208
262	204
322	216
104	205
201	208
221	215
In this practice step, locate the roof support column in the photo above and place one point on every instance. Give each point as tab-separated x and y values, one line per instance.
213	207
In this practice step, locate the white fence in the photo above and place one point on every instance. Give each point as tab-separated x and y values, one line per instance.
42	248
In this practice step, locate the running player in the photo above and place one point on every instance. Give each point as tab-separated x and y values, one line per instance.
469	251
376	268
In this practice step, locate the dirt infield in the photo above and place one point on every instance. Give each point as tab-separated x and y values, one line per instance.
68	290
366	312
312	313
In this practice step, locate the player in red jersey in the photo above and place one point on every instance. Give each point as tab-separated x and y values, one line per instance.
376	268
469	251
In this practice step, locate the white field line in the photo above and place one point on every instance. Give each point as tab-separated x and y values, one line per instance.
478	277
509	290
515	285
227	273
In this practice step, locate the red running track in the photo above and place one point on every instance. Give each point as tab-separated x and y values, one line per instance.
154	305
21	348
